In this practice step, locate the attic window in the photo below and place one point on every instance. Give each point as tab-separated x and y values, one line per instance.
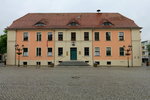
73	24
40	24
107	23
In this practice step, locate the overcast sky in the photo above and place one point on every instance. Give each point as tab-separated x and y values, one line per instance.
137	10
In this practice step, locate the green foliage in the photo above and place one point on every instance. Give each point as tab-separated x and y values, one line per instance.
5	31
3	43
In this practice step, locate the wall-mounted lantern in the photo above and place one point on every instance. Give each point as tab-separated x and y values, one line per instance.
18	52
128	53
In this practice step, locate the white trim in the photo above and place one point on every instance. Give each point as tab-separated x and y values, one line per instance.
36	52
110	36
106	51
123	36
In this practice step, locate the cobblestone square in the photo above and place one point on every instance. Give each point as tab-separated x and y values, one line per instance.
74	83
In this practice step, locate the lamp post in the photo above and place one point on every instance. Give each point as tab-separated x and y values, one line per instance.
18	52
128	52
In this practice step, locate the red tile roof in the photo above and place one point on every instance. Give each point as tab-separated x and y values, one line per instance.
61	20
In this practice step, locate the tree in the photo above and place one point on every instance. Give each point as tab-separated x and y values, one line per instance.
3	43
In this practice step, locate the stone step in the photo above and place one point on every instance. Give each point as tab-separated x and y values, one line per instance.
73	63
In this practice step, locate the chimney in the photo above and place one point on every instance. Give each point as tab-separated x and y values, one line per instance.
98	10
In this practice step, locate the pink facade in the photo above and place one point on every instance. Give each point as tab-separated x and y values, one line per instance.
32	44
114	43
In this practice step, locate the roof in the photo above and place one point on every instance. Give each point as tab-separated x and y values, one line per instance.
62	20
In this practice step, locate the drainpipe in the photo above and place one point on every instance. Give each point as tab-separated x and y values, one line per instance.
92	48
14	46
54	46
132	49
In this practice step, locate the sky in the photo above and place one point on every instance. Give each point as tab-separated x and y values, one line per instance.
137	10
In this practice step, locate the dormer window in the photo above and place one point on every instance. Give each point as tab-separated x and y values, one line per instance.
40	24
107	23
73	23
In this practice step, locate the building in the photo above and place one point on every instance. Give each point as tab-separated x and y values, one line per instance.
90	37
145	53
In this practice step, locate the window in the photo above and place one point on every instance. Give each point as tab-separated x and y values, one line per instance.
73	24
60	36
121	36
60	61
86	36
60	51
40	24
25	36
143	53
50	36
49	52
73	36
49	63
86	51
38	63
25	63
108	36
97	51
108	51
86	61
25	51
108	62
38	51
121	51
107	23
96	36
97	62
39	36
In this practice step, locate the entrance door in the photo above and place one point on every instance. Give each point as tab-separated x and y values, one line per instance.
73	53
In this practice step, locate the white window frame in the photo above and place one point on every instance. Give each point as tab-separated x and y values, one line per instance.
86	51
110	51
60	33
37	36
62	51
97	51
25	53
49	33
37	53
98	37
119	35
86	36
120	51
24	36
49	53
106	36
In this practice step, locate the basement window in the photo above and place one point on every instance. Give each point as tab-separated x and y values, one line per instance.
49	63
60	61
86	61
38	63
25	63
97	62
108	62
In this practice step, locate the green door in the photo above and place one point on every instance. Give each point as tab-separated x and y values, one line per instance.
73	53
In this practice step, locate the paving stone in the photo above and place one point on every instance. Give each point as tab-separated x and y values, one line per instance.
74	83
